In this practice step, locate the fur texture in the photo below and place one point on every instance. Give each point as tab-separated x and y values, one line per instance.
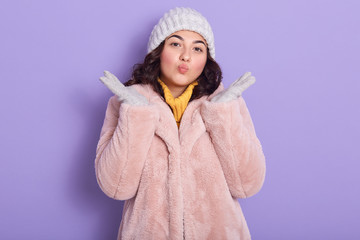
180	183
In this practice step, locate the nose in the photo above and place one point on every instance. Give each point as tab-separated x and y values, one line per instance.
185	55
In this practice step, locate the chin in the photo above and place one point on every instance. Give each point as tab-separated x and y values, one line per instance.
185	80
184	83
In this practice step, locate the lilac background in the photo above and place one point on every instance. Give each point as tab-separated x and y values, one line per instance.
305	106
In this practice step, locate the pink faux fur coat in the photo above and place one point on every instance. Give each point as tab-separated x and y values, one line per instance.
180	183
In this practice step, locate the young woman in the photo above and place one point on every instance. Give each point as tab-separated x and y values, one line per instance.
176	146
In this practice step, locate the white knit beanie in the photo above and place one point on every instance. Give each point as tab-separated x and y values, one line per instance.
181	18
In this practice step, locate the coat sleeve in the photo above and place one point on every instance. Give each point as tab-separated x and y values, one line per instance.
237	146
125	139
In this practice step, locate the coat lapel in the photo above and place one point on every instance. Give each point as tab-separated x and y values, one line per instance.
191	126
166	129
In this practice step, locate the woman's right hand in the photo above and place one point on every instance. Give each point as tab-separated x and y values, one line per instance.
126	94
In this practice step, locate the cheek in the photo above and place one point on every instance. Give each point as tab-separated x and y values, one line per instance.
166	59
200	64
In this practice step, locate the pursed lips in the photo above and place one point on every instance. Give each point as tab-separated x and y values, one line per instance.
183	68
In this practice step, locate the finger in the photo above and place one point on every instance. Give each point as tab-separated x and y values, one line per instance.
110	76
106	81
115	81
107	74
239	89
249	81
113	78
240	79
243	78
103	79
114	88
246	75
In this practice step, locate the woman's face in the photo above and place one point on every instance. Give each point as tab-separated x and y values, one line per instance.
182	60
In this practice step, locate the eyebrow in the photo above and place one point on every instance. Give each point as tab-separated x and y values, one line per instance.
182	39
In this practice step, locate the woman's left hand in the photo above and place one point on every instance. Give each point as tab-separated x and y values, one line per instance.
236	89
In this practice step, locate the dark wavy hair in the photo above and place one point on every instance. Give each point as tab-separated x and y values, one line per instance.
148	72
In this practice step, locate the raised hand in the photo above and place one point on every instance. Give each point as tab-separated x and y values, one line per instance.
236	89
126	94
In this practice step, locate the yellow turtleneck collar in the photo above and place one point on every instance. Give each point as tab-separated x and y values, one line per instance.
179	104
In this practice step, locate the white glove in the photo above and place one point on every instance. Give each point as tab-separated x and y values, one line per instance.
236	89
126	94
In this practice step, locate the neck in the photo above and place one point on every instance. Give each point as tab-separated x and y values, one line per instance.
176	91
179	103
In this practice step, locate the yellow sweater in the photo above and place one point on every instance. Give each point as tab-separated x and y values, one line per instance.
179	104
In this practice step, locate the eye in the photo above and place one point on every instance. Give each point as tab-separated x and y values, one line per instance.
197	49
175	44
